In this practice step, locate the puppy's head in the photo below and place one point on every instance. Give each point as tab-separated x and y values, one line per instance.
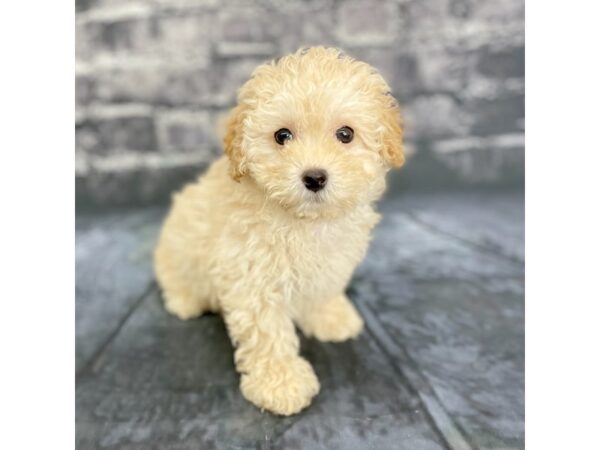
317	131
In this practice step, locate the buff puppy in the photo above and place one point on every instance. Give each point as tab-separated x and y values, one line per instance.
270	235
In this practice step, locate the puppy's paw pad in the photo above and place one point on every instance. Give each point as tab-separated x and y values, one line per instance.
283	387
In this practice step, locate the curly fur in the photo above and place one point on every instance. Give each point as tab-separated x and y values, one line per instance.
249	241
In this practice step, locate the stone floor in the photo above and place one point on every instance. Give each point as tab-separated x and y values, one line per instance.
439	366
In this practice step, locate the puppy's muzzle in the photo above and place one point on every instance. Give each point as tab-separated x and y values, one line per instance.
314	179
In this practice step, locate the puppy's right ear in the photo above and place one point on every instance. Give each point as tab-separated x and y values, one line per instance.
233	142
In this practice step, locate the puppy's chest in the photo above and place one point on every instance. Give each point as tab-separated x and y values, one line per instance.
319	258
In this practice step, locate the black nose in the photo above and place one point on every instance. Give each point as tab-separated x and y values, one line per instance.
314	179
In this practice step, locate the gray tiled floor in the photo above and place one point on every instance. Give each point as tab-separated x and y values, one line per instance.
439	366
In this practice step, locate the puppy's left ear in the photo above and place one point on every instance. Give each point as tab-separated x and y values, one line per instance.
392	138
233	142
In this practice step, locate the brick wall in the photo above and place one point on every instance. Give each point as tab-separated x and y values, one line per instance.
154	77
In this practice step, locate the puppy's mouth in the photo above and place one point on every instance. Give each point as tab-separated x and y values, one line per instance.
308	204
316	197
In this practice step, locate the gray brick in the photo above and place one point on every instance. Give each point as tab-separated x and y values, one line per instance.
235	49
401	71
152	82
407	78
362	22
455	65
246	24
503	62
85	89
425	14
380	58
86	42
140	181
185	131
306	24
444	70
246	31
461	9
175	38
316	28
157	5
493	159
105	130
498	115
229	76
434	117
83	5
508	11
441	24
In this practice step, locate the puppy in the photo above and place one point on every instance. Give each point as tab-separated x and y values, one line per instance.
270	235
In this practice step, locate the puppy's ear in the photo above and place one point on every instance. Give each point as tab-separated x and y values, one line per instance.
392	139
233	142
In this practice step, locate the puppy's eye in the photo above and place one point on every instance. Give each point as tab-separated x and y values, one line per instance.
344	135
283	135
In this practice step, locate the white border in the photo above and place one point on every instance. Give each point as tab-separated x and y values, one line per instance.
562	225
37	225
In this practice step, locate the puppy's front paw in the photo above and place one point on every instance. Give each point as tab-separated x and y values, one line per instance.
281	386
336	320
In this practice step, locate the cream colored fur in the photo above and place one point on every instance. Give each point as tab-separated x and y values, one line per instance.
249	241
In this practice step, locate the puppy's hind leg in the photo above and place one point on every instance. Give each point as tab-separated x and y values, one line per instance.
186	297
332	320
186	305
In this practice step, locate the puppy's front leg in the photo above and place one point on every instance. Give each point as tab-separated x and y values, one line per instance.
332	320
273	375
